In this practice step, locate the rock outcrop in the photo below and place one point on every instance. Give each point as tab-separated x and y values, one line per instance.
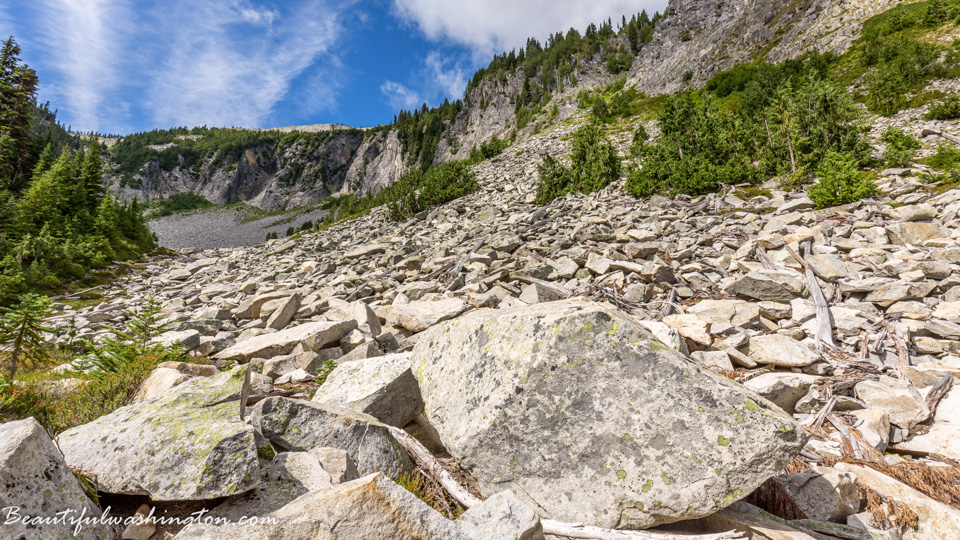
35	483
187	444
578	395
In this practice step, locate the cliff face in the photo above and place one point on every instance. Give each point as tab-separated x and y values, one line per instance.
274	177
697	38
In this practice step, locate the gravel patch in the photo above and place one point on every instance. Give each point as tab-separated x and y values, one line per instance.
224	227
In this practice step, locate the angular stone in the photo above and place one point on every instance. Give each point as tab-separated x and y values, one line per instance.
188	444
189	339
504	390
418	316
914	233
284	478
690	327
311	336
142	528
367	251
535	293
566	267
937	520
193	370
828	267
337	463
948	311
768	285
780	350
158	382
297	425
250	308
501	516
735	312
874	427
279	366
784	389
282	316
367	320
370	507
35	480
944	435
715	359
890	293
382	387
824	494
900	398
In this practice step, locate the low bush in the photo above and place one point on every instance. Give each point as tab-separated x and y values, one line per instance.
840	182
900	147
947	109
594	165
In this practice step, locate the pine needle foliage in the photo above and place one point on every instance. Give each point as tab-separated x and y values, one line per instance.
21	332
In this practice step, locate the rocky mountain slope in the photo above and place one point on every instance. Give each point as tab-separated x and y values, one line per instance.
692	42
735	362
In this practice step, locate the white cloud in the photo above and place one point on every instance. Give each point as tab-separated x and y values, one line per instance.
261	16
184	62
451	79
439	77
79	40
400	97
492	26
214	74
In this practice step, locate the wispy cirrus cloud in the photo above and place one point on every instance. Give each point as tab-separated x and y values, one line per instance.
439	77
230	63
184	62
79	42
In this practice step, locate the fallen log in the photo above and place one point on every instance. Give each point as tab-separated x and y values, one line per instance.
432	467
824	328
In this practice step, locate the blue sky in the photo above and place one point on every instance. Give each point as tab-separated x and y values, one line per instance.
119	66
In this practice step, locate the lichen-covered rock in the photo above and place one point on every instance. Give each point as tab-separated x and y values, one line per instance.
283	479
35	482
190	443
503	515
158	382
383	387
370	507
592	420
297	425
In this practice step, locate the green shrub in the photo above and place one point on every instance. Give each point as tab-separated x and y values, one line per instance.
594	165
491	148
180	202
840	182
99	396
122	347
900	147
947	109
947	158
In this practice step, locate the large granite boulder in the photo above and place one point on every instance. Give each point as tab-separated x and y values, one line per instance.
190	443
36	483
590	419
298	426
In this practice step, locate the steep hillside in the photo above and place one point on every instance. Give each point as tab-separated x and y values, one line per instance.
518	95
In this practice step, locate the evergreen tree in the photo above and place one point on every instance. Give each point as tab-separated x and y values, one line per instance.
18	89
